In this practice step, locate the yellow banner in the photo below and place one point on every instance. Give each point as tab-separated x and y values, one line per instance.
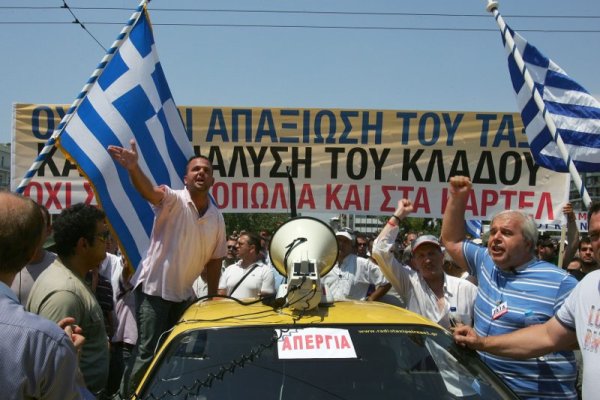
351	161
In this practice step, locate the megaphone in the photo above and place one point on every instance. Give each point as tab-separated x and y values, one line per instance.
303	250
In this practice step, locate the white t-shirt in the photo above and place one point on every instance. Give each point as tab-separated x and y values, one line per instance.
581	312
351	279
181	244
25	279
260	280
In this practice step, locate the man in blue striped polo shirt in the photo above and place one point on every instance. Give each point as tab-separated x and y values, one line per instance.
515	290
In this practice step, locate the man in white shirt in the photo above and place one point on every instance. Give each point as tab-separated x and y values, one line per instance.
188	237
428	290
249	276
351	276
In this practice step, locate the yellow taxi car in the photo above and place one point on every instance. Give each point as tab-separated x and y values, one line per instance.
347	350
302	345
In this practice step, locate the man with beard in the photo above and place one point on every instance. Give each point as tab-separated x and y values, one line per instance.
188	236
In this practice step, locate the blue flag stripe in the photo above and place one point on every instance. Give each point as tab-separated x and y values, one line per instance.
116	220
130	100
574	112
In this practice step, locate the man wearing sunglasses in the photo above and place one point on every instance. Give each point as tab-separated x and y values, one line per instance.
80	234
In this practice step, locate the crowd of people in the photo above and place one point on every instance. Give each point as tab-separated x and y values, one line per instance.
68	277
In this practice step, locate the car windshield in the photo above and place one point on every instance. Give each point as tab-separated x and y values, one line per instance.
324	362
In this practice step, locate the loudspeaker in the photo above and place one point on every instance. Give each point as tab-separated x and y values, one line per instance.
301	240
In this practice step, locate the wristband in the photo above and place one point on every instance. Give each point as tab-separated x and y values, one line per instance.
397	218
391	223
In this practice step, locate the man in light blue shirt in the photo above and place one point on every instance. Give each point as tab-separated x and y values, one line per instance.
38	358
513	287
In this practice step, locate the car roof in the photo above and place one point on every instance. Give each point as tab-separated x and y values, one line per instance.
229	313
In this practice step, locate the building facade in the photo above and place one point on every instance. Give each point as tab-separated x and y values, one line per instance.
4	166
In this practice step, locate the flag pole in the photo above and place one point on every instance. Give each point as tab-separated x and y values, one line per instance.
492	7
51	143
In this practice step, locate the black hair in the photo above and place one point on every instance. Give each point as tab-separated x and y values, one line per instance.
73	223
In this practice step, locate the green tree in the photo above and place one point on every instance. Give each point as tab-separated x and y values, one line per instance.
254	222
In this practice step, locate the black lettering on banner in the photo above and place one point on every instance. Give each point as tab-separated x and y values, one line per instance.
436	159
460	165
504	163
278	171
238	156
335	152
306	161
410	164
68	166
486	159
379	161
257	159
362	163
214	155
533	168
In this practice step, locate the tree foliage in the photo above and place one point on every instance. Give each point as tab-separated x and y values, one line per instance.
253	222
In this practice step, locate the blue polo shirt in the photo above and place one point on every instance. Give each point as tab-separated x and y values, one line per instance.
538	287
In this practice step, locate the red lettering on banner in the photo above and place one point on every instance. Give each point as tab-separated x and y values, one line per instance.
525	199
385	205
504	199
38	190
279	193
352	198
546	201
90	192
318	341
331	196
508	195
472	203
488	198
298	345
306	197
345	344
421	200
52	194
314	342
405	191
309	342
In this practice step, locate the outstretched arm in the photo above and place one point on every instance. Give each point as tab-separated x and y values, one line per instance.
128	158
533	341
453	223
572	235
381	247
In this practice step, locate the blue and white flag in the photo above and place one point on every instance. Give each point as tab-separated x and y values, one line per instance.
473	227
130	100
574	111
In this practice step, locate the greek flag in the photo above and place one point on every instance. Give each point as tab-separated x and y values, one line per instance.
574	111
129	100
473	227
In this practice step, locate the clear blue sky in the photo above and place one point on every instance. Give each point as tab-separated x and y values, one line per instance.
300	67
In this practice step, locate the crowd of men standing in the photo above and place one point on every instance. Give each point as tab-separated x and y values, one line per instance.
190	257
